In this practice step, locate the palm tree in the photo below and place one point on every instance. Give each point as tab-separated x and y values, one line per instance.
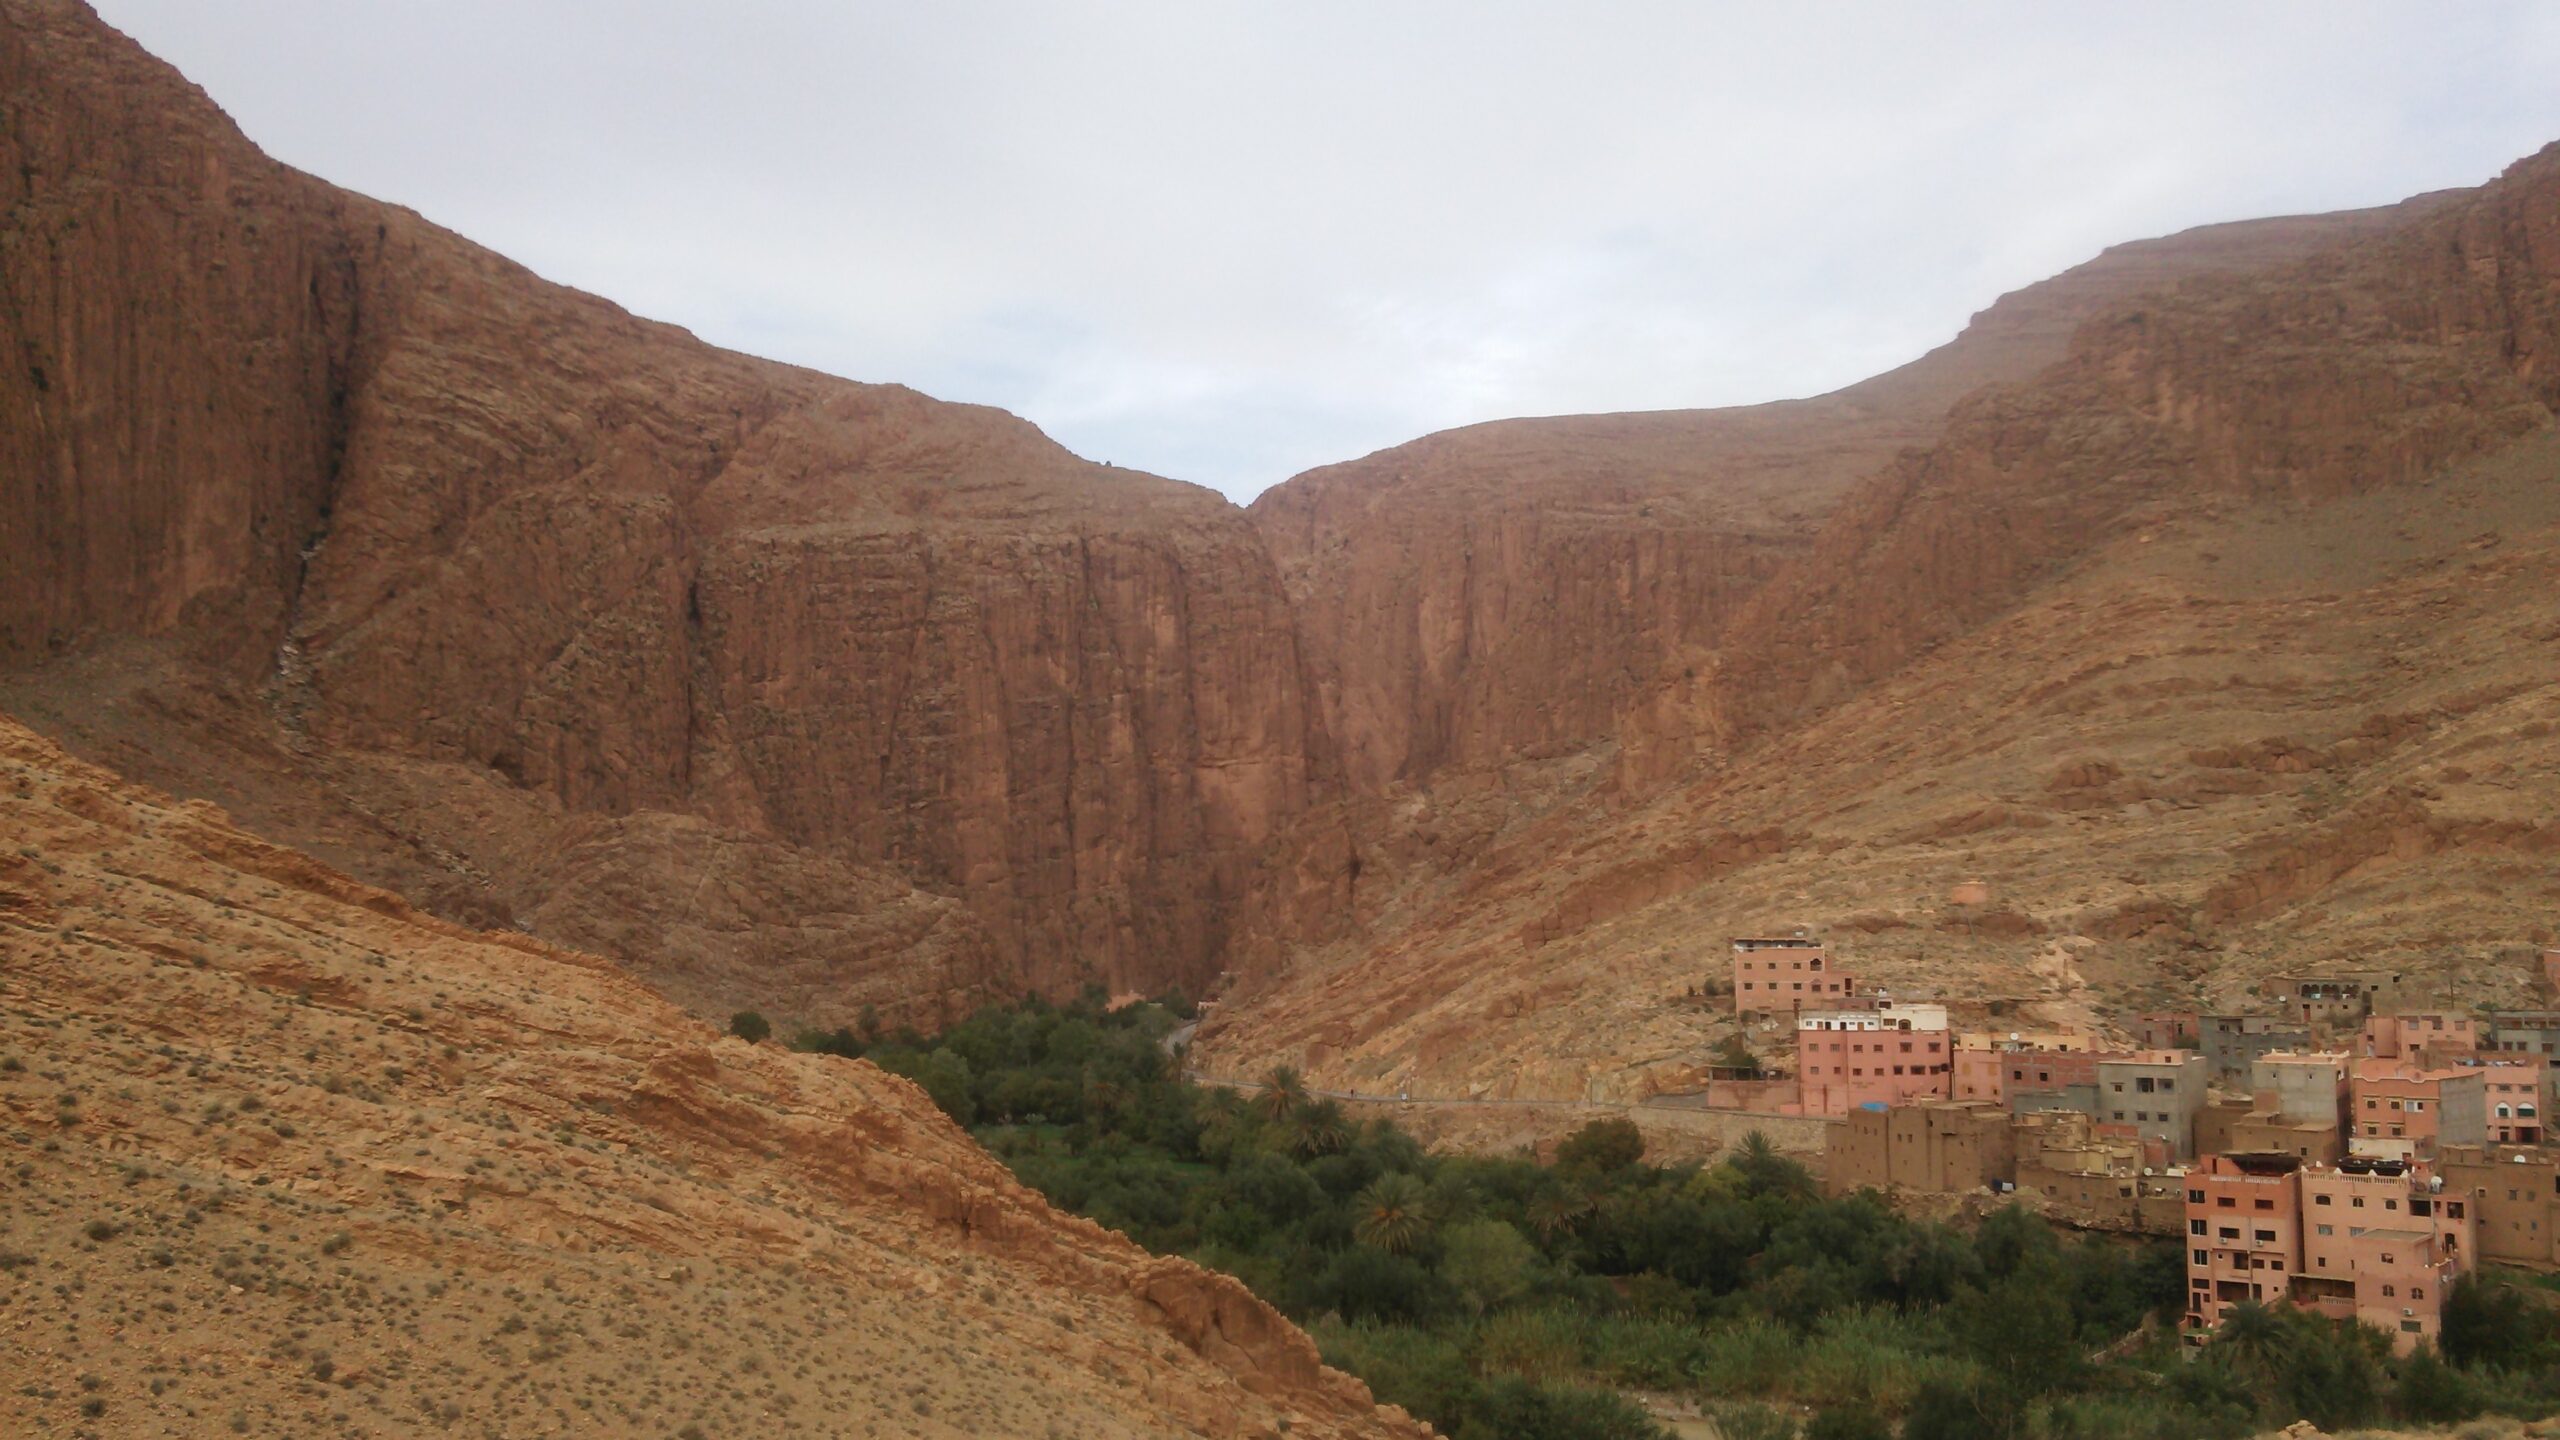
2255	1339
1392	1213
1283	1090
1557	1210
1319	1128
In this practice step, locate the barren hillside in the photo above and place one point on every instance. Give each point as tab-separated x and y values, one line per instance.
290	1158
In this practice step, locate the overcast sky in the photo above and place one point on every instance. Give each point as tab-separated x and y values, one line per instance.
1227	243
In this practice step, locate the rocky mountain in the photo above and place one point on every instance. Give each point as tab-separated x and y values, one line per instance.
1508	590
292	1158
515	601
2221	645
2197	600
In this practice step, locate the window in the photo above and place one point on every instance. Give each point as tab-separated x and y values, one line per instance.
2266	1237
2195	1197
2195	1227
2230	1232
2417	1292
2357	1202
2321	1199
2198	1256
2225	1202
2266	1204
2328	1229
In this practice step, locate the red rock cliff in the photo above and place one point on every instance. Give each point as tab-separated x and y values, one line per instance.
459	515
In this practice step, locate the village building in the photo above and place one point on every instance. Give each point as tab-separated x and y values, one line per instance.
1984	1060
2094	1175
2231	1044
2244	1234
2218	1121
2376	1241
2514	1196
2338	1001
2381	1245
2512	1091
2166	1029
2158	1092
1942	1147
1779	976
2529	1032
2404	1111
2435	1038
2050	1080
1890	1053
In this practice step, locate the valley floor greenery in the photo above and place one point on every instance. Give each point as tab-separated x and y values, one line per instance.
1499	1297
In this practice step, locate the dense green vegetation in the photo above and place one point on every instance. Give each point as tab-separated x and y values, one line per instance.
1498	1297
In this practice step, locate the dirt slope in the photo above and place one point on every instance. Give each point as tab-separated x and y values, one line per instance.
287	1157
340	492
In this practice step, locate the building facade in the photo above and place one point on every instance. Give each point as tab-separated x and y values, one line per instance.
2157	1092
2404	1111
2374	1241
1779	976
2232	1044
1893	1053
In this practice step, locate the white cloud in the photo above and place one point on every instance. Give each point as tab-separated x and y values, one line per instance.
1227	242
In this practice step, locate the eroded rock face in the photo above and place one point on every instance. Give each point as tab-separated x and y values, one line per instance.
444	511
1512	590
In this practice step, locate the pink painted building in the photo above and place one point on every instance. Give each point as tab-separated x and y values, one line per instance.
1983	1059
1779	976
2435	1037
2401	1110
1891	1054
2244	1235
2512	1089
2375	1241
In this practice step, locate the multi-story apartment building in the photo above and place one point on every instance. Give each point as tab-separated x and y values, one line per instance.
1781	975
2515	1201
2233	1043
2157	1092
1985	1060
2244	1234
2376	1241
2403	1111
2435	1037
1888	1054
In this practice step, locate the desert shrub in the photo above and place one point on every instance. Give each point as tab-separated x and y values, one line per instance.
1741	1420
749	1026
1848	1422
1534	1344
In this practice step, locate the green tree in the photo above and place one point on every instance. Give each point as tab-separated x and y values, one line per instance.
2019	1330
1283	1090
749	1026
1393	1213
1488	1261
1603	1147
1736	1054
2427	1391
1319	1128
